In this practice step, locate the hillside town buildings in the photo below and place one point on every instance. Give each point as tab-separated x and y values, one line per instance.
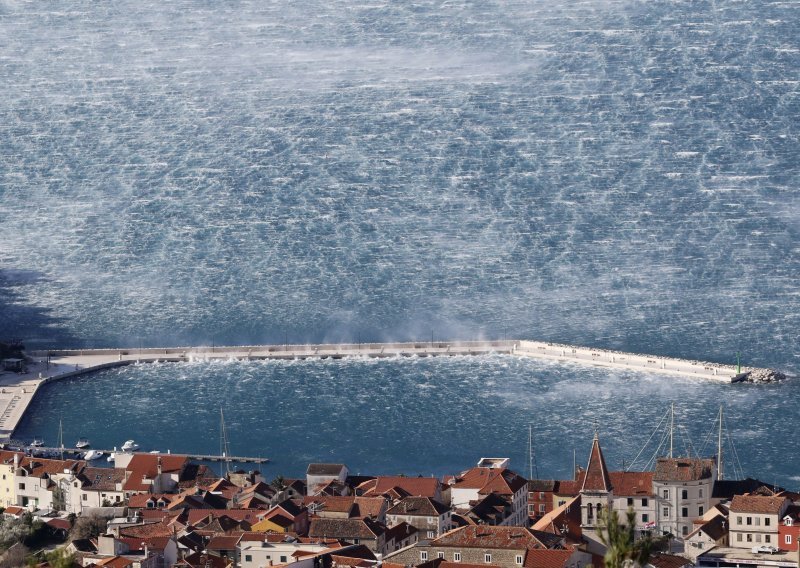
164	510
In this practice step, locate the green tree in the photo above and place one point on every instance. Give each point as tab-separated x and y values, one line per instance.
59	558
622	548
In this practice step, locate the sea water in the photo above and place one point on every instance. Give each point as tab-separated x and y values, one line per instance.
429	416
612	173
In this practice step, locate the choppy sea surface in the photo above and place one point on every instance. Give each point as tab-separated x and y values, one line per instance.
612	173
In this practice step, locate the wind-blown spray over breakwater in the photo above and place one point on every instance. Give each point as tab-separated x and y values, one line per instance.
61	364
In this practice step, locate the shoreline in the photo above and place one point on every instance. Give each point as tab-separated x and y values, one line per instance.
18	390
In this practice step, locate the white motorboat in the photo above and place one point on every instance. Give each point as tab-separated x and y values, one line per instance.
93	455
37	442
130	446
82	444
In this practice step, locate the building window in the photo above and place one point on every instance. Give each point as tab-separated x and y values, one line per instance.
355	541
685	530
645	517
456	557
758	537
749	521
738	537
700	511
700	493
788	539
590	511
739	520
440	555
248	558
542	508
431	534
541	494
22	486
684	511
684	494
766	522
644	502
630	501
283	559
665	512
766	538
749	537
487	558
423	555
665	493
519	560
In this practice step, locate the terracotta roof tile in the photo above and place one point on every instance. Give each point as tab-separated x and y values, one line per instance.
419	506
596	478
415	486
544	558
757	504
490	480
483	536
683	469
632	483
345	528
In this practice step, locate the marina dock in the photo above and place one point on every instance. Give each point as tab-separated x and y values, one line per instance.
74	453
18	390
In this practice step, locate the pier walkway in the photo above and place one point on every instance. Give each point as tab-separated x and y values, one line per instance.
18	390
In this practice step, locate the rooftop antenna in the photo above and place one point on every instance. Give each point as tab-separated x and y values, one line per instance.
720	468
533	471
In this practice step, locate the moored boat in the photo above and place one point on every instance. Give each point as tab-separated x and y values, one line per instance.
93	455
82	444
130	446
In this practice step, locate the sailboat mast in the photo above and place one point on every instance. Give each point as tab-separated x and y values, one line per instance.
533	472
720	469
61	438
223	442
671	427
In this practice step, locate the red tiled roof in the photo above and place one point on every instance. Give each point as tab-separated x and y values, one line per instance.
194	516
146	531
415	486
484	536
491	480
632	483
419	506
145	467
545	558
757	504
596	478
683	469
223	542
59	524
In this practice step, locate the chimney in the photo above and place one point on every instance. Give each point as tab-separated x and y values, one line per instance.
16	462
159	465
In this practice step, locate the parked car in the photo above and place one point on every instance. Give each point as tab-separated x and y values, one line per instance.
764	548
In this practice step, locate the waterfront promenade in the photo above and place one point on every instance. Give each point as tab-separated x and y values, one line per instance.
18	390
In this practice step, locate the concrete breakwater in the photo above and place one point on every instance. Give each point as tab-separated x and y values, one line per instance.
641	362
18	390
